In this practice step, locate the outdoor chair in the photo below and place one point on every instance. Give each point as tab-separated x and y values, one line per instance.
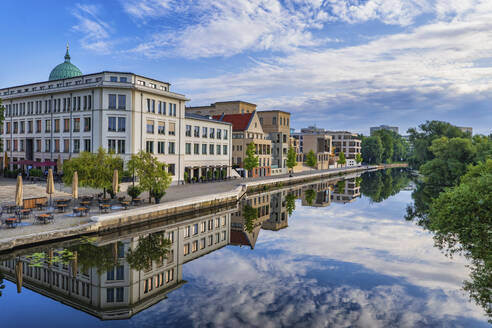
10	222
104	208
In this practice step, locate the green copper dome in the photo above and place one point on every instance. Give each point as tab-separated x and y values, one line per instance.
65	70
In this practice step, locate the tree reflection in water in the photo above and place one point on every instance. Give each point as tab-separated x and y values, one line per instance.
153	247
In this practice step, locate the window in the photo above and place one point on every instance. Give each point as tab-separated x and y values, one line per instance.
212	133
218	149
202	243
119	294
89	102
120	273
204	149
121	101
163	108
195	229
110	274
87	145
188	131
219	134
87	124
57	126
123	79
112	124
153	106
172	129
186	249
211	149
47	145
188	148
110	295
196	131
148	106
161	128
121	124
113	79
196	149
66	125
194	246
150	127
112	101
76	145
204	132
76	124
149	146
38	145
171	148
121	146
38	126
203	226
111	145
225	150
171	169
29	127
160	147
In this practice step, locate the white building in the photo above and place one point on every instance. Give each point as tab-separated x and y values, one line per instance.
118	111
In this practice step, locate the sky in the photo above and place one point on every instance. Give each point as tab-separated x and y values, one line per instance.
337	64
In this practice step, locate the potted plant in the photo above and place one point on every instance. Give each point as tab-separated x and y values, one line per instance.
186	177
157	194
134	191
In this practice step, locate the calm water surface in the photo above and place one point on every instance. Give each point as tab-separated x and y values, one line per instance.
341	259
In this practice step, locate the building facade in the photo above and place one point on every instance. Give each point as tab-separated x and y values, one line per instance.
276	124
246	129
118	111
223	107
384	127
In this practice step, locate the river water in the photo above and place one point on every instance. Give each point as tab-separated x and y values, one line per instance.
324	254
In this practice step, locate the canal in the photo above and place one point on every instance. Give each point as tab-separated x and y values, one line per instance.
323	254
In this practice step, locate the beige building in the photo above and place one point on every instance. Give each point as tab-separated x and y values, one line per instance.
320	144
346	191
276	124
246	129
223	107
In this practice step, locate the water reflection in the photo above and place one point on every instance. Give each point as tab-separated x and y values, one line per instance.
338	262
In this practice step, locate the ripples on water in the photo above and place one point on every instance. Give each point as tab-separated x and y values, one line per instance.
315	255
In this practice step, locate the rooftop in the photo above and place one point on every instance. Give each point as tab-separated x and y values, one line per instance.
240	122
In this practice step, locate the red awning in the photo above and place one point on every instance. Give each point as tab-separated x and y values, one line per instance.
42	164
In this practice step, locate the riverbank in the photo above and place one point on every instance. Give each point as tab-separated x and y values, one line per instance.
181	200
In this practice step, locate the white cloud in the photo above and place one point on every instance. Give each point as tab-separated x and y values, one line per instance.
96	32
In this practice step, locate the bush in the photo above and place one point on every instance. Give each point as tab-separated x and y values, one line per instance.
134	191
36	173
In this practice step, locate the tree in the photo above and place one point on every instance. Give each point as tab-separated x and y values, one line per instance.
372	150
387	140
358	158
290	203
94	170
250	215
341	159
153	247
251	160
310	195
291	159
311	159
152	174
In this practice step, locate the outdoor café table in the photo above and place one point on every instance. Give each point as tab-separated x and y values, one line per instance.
43	217
25	213
104	207
85	202
10	208
61	207
10	222
80	211
136	200
125	204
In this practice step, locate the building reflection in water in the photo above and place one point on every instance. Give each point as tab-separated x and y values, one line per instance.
98	278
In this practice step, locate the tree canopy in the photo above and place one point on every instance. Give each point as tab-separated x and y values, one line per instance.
291	158
372	150
341	159
311	159
251	161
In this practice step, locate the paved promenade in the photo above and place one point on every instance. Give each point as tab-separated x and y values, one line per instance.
67	222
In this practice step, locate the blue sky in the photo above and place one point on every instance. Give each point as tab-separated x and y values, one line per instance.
338	64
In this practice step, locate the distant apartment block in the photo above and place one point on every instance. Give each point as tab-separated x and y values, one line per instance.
384	127
276	124
466	129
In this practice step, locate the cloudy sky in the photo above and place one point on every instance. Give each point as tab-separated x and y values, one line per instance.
339	64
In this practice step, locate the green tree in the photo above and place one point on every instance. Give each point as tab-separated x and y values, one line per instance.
311	159
251	160
95	170
291	159
152	174
421	140
341	159
290	203
153	247
387	140
372	150
250	215
310	195
358	158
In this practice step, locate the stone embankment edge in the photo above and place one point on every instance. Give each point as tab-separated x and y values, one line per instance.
147	213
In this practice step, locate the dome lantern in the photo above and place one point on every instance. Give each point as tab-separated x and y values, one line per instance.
65	70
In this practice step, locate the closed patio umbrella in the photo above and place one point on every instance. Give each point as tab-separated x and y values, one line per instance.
50	184
18	276
5	160
115	181
19	191
75	185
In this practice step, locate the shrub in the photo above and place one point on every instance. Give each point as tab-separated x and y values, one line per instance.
134	191
36	173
